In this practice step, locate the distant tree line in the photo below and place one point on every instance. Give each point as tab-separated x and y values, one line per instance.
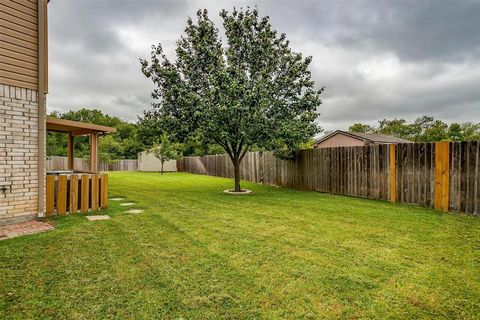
134	137
124	144
423	129
130	138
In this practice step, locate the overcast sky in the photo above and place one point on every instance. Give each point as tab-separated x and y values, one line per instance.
376	59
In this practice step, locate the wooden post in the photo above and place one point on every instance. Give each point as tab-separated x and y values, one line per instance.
62	195
73	194
50	203
70	151
94	193
94	152
85	193
442	175
104	190
393	173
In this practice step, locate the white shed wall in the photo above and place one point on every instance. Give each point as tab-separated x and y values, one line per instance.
148	162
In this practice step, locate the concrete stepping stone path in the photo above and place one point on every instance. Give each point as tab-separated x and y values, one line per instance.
134	211
96	218
117	199
127	204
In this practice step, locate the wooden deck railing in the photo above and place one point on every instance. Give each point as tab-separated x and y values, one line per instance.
72	193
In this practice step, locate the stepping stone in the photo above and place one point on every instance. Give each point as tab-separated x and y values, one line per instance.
117	199
134	211
127	204
95	218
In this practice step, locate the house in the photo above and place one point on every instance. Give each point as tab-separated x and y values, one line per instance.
341	138
25	190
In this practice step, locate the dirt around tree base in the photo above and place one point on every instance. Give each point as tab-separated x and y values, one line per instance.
241	193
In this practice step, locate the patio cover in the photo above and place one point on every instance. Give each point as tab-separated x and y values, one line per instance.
77	128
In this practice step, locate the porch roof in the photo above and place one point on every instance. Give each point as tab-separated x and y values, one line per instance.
76	128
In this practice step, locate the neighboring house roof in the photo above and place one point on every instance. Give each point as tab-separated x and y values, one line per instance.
367	137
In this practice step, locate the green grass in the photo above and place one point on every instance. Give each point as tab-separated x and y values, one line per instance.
196	253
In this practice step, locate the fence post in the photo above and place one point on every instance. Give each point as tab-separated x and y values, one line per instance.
62	195
50	203
73	194
85	193
94	192
392	173
103	190
442	175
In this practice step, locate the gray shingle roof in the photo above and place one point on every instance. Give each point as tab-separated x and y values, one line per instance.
369	137
379	138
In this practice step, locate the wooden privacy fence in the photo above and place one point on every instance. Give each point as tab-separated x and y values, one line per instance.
122	165
442	175
75	193
61	163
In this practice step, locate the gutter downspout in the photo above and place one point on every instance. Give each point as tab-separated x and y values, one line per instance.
42	56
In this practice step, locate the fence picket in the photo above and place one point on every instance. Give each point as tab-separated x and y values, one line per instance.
50	196
62	195
103	191
85	193
73	194
94	192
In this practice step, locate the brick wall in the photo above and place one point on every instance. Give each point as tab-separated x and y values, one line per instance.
18	154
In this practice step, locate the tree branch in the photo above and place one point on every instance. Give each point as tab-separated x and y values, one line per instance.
222	144
240	147
233	145
244	152
225	146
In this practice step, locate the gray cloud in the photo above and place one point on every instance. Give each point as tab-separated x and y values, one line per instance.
376	59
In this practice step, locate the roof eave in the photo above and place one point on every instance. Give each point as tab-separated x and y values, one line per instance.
76	127
328	136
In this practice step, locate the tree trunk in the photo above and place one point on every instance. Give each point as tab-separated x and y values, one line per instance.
162	168
236	168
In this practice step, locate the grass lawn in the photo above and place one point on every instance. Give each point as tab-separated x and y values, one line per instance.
196	253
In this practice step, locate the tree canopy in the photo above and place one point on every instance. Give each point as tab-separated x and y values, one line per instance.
423	129
124	144
252	91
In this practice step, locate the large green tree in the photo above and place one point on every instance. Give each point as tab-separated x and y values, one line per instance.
252	91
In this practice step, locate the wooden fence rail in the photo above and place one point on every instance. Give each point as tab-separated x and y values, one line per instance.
442	175
61	163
